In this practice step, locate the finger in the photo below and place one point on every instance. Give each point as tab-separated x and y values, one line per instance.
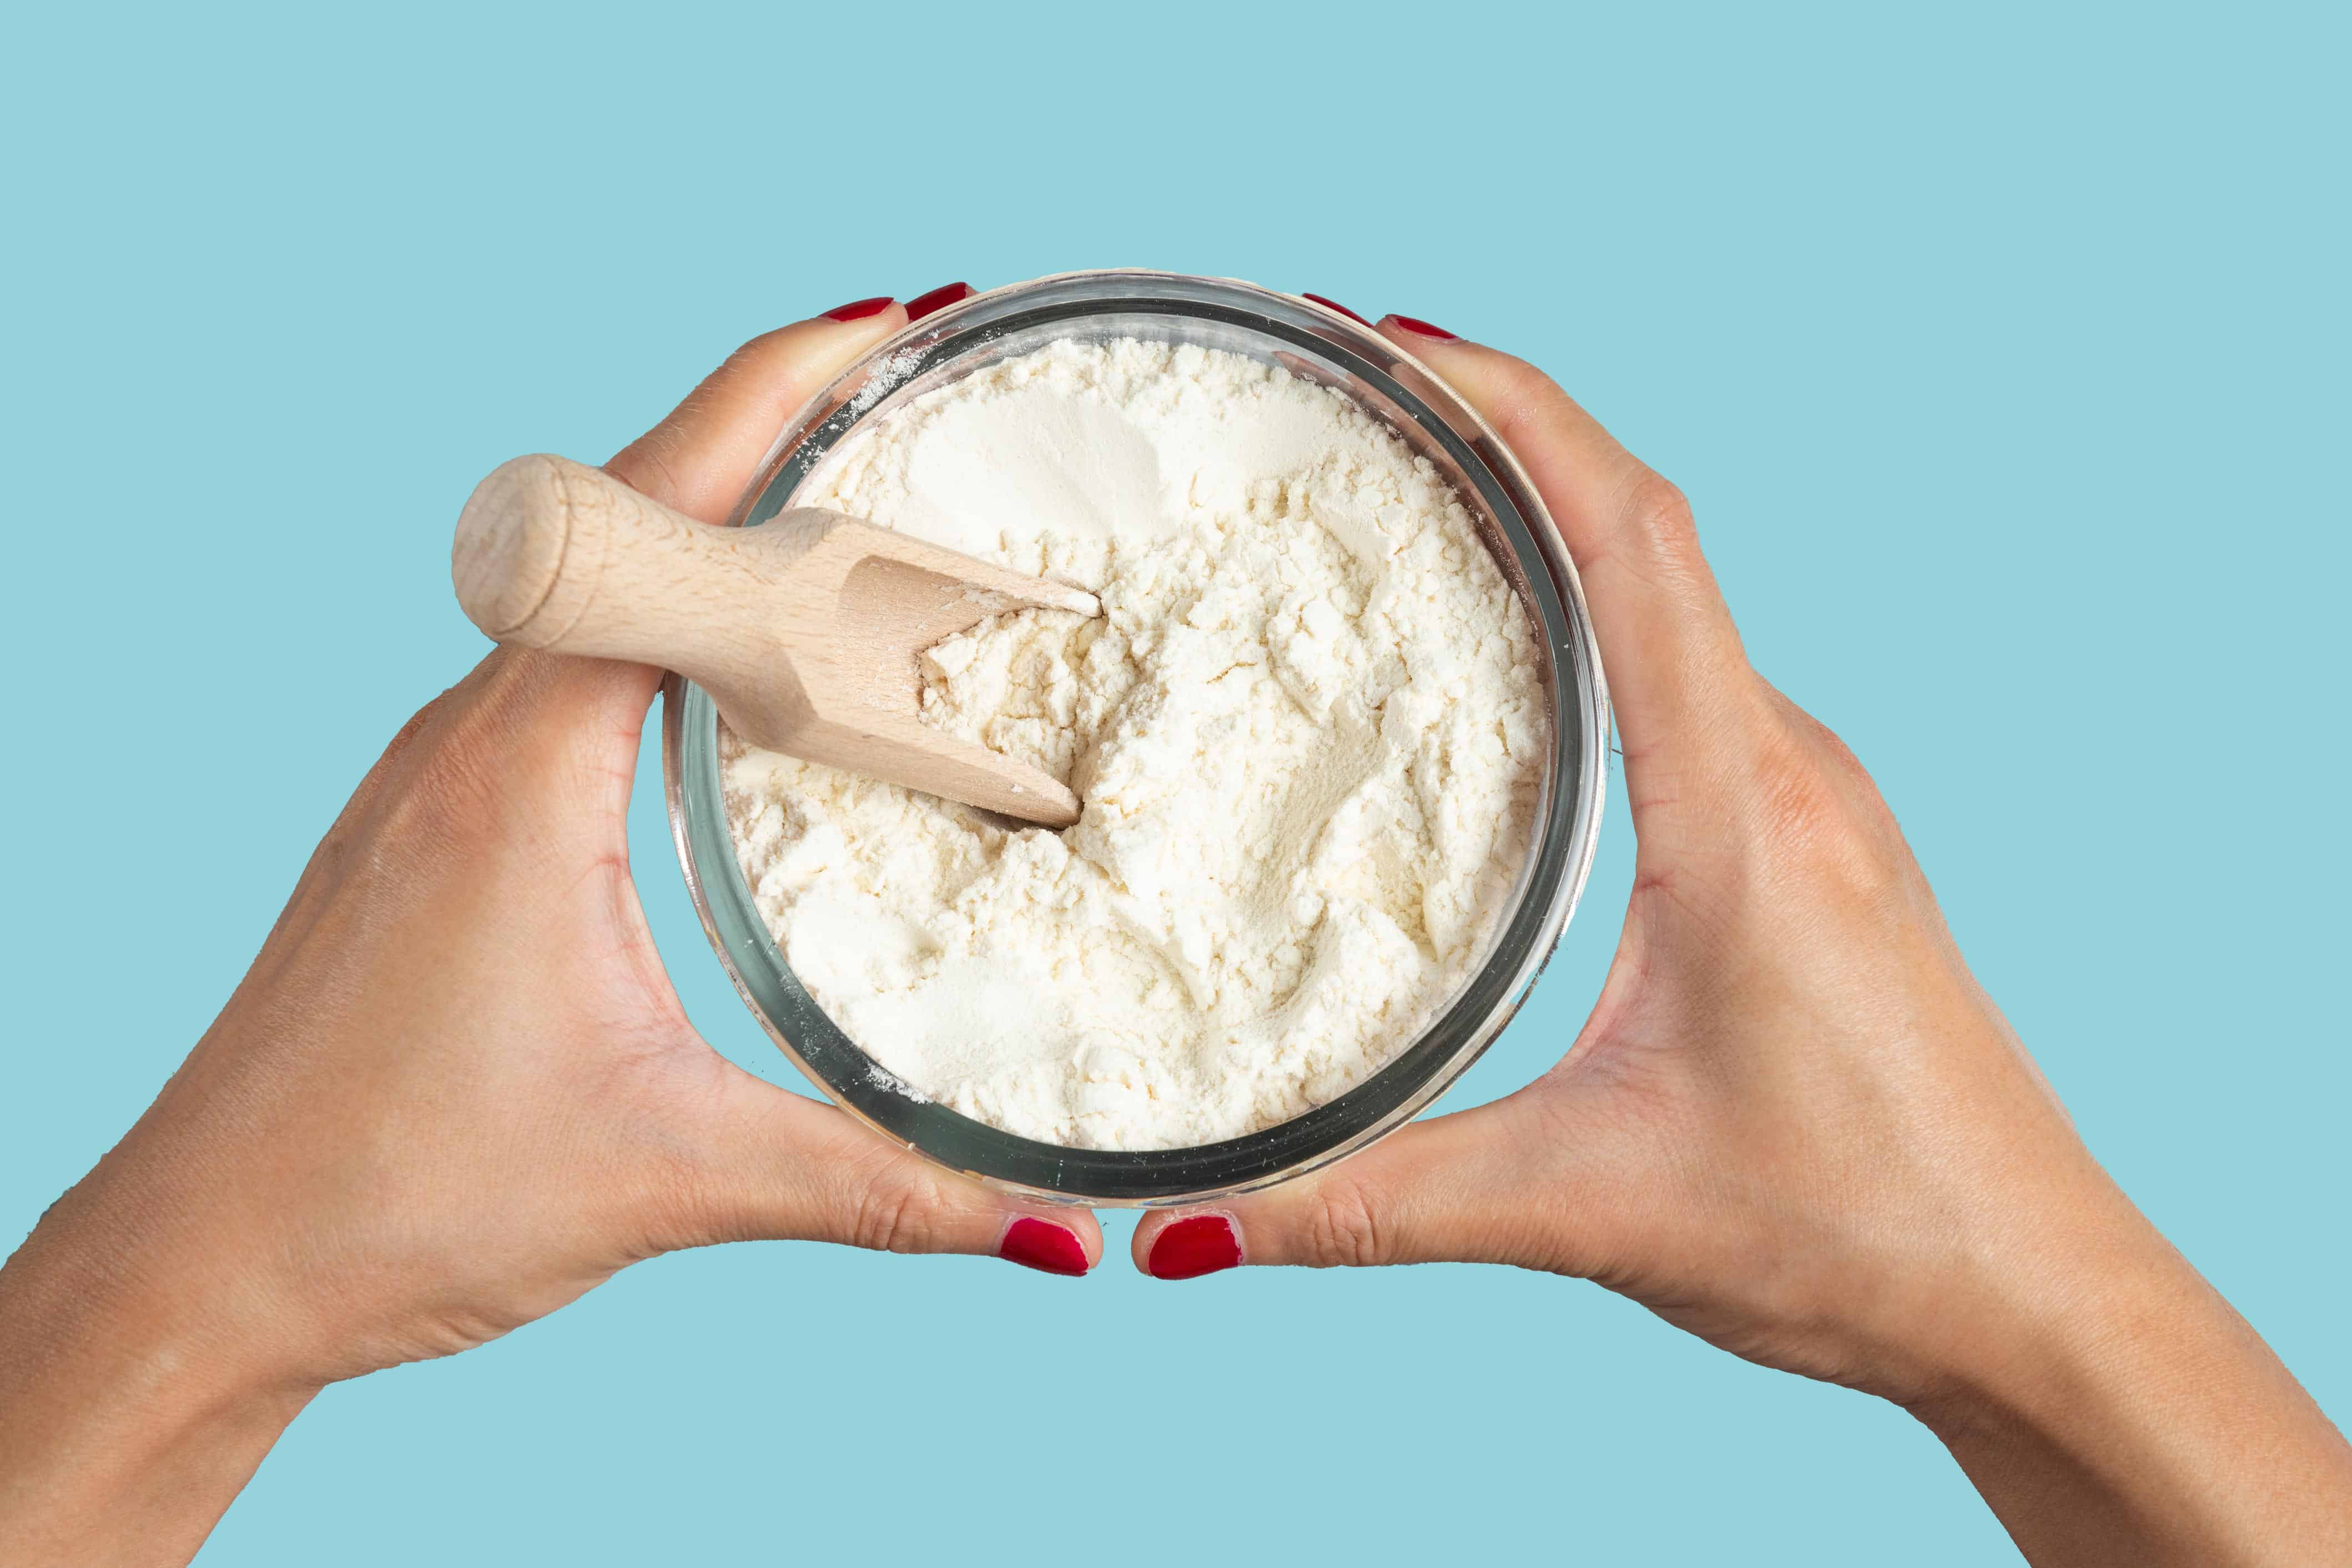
1668	642
783	1167
1485	1186
700	457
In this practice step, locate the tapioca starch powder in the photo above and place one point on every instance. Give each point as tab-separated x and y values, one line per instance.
1308	731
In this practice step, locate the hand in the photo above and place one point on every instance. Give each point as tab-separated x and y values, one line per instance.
455	1092
1794	1124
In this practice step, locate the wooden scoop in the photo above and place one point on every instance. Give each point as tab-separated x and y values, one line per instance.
805	629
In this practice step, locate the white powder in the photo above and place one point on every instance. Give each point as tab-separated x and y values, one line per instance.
1307	732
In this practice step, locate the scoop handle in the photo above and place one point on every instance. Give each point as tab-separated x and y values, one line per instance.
554	554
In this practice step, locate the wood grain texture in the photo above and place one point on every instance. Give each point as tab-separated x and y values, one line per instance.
806	631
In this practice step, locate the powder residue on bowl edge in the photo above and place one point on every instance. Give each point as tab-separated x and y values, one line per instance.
1308	731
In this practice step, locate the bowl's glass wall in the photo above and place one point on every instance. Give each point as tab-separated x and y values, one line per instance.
1275	329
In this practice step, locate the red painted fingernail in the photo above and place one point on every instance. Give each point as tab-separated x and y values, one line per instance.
1414	324
1334	305
946	294
858	309
1190	1248
1043	1245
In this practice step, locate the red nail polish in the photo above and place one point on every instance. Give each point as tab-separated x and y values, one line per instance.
1334	305
1414	324
858	309
1043	1245
1201	1244
946	294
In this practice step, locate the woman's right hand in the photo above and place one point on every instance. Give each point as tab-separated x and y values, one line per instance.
1795	1125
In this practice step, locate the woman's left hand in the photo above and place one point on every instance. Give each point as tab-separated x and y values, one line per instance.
455	1092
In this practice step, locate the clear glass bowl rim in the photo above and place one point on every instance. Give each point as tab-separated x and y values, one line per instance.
1567	830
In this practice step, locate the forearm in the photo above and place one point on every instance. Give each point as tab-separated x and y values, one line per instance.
2128	1415
129	1420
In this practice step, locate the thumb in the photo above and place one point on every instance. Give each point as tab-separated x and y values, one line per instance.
778	1166
698	459
1484	1186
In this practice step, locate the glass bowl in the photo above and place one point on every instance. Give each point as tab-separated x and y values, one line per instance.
1308	340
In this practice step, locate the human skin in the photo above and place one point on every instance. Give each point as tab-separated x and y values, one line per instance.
1794	1123
455	1092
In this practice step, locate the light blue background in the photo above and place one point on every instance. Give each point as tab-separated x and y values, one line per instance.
2001	351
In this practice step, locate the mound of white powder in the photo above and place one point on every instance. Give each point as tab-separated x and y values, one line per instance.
1307	732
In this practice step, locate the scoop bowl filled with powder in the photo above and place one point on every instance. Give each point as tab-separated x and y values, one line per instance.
1337	739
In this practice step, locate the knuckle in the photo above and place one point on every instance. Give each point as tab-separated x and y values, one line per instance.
454	788
754	350
1341	1231
1832	753
1655	508
395	765
1795	802
1526	392
896	1214
1840	757
1808	810
406	736
1527	407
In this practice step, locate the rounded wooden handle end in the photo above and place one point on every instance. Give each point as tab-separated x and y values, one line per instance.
507	559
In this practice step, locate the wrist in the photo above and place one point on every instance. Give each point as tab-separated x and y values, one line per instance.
2043	1336
163	1307
2039	1301
136	1406
2111	1407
